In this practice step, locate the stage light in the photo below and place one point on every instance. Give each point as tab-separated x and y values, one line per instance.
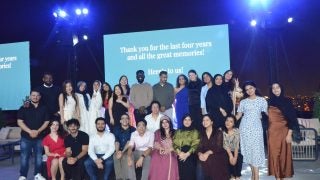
55	14
85	11
75	39
62	13
290	19
78	12
253	22
85	37
263	3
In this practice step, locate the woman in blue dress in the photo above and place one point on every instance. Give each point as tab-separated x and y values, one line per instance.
181	96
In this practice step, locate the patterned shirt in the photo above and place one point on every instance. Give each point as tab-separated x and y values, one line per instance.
232	140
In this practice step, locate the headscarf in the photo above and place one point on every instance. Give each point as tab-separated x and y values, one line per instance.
191	127
285	106
84	93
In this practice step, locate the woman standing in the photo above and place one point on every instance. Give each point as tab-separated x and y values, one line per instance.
84	102
164	164
123	82
181	96
211	153
282	121
218	101
185	143
207	79
54	148
68	103
118	105
231	85
228	80
194	87
106	95
95	106
251	132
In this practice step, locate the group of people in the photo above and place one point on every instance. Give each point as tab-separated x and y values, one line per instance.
157	132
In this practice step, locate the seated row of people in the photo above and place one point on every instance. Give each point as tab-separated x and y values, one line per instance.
142	154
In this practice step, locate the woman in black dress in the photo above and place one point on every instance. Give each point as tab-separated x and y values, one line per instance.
218	101
118	105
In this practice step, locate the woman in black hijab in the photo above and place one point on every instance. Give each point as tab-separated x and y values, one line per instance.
218	101
185	144
282	123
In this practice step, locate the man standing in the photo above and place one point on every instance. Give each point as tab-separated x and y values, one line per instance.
122	134
141	95
50	94
164	93
32	120
101	149
76	144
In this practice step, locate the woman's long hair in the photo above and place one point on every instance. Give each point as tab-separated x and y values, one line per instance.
250	83
106	93
162	130
65	94
208	74
127	86
185	78
61	132
115	97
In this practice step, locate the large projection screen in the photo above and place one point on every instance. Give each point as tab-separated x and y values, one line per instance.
14	74
176	51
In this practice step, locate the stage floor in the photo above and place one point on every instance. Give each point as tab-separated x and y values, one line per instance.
309	170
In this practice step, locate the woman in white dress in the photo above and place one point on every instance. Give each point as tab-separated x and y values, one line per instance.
95	107
68	103
84	104
251	132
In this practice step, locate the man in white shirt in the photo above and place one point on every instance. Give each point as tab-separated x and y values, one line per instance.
101	149
153	119
142	142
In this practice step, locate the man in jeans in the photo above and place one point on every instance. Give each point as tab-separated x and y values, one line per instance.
32	120
101	149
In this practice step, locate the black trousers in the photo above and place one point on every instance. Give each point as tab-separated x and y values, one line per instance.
196	116
235	170
75	171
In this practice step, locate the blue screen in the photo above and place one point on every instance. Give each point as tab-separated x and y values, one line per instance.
176	51
14	74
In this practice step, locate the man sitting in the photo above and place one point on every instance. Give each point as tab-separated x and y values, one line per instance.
76	144
101	149
122	134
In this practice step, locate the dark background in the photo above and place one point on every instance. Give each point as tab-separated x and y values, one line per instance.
292	49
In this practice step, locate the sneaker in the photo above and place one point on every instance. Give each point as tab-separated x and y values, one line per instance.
39	177
22	178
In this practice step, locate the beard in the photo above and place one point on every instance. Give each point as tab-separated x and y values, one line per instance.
101	130
140	81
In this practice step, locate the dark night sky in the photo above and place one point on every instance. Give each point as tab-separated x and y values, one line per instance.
297	46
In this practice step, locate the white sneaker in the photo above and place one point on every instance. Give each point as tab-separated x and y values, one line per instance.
39	177
22	178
